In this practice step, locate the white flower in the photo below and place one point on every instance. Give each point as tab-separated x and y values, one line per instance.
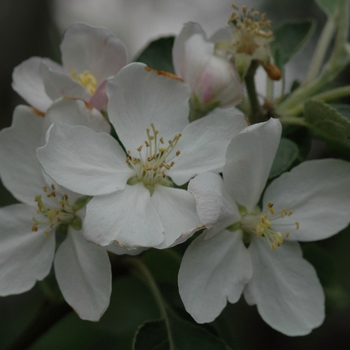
250	40
90	56
135	203
27	231
310	202
210	73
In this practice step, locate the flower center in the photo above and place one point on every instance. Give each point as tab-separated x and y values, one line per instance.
260	225
249	27
86	79
62	214
154	160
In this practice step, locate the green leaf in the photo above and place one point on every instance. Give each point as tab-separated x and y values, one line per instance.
289	39
328	6
158	54
343	109
287	154
185	336
321	260
329	125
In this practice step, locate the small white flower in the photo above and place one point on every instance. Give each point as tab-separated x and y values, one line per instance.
135	203
210	73
310	202
27	231
90	56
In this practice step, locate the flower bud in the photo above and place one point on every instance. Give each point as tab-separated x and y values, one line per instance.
207	69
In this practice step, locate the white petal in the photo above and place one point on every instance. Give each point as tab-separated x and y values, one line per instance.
285	288
126	216
215	208
138	97
84	161
99	99
249	158
94	49
28	83
188	30
204	142
20	170
213	271
76	112
177	211
318	193
59	84
25	256
119	250
83	273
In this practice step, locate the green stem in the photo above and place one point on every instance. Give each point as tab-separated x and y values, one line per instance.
142	271
324	96
339	59
286	120
49	314
320	51
269	89
256	114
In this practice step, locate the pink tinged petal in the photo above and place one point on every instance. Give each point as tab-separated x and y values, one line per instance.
84	161
318	194
215	208
211	77
25	256
28	83
204	142
138	97
119	250
197	53
59	84
285	288
126	216
94	49
20	170
177	211
249	158
188	30
99	99
212	272
76	112
83	273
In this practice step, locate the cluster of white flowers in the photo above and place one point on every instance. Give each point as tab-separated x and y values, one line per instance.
97	193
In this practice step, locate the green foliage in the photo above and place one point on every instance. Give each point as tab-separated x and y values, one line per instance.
289	39
287	154
158	54
328	6
329	125
185	336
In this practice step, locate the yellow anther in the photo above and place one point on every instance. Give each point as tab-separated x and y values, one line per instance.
177	153
290	213
244	9
297	225
45	188
234	6
47	234
163	174
167	166
161	140
287	234
147	144
162	149
151	137
140	148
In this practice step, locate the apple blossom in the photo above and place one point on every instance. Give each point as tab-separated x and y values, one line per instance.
27	231
90	56
310	202
135	202
210	72
250	40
